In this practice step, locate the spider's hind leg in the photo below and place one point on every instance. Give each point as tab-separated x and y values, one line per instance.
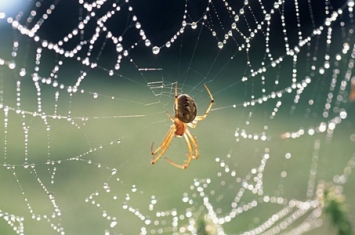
184	166
194	143
189	155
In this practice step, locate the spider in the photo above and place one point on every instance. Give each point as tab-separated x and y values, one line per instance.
185	115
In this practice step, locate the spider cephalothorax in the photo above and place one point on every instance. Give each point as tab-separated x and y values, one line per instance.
185	115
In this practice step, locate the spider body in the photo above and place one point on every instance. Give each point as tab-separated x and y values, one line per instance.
185	116
180	127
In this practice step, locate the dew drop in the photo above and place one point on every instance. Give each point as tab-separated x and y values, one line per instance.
156	50
153	200
220	45
147	42
119	47
147	221
23	72
134	188
127	197
125	206
267	17
113	171
113	223
12	65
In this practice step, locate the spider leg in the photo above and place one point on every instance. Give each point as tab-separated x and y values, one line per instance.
163	146
170	117
194	143
189	156
200	118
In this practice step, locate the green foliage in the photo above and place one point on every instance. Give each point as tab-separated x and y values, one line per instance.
335	209
205	226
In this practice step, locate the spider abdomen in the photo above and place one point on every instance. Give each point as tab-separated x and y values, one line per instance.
187	109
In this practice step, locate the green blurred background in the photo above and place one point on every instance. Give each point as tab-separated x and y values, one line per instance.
83	164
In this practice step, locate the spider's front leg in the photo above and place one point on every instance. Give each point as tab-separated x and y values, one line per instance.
200	118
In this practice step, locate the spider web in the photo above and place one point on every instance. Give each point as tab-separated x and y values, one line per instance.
84	88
